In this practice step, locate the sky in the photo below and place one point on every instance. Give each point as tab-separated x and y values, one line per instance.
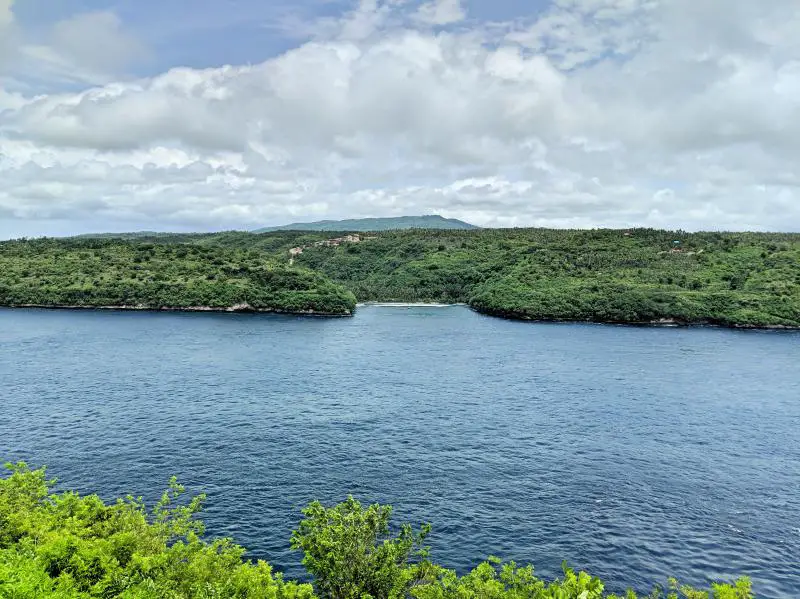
179	115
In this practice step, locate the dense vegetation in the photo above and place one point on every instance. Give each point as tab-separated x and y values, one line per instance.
64	546
432	221
86	273
637	276
643	276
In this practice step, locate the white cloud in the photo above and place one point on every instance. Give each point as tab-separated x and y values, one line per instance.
97	41
441	12
88	48
6	15
596	113
579	32
11	101
8	33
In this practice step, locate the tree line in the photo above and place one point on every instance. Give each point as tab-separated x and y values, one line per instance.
636	275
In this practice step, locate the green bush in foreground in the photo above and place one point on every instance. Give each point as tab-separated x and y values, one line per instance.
66	546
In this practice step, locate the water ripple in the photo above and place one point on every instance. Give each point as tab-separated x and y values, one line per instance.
635	453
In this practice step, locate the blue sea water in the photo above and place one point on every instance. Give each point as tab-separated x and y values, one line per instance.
636	453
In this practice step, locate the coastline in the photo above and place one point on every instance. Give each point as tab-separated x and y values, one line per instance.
656	323
398	304
245	308
237	308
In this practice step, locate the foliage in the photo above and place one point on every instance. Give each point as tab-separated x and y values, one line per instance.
494	579
89	273
744	279
65	546
636	276
70	547
351	553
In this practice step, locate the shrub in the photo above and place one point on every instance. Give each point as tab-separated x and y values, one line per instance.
64	546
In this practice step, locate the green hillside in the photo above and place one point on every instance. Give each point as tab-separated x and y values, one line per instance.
637	276
100	273
376	224
748	279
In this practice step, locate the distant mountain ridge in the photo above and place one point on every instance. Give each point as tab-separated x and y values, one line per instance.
429	221
128	235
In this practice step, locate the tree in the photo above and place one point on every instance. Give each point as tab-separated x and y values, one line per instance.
352	554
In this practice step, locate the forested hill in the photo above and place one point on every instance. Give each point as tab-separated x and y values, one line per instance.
636	276
130	275
432	221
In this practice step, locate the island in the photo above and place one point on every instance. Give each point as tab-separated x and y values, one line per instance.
630	276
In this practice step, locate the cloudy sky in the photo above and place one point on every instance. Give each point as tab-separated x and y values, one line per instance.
216	114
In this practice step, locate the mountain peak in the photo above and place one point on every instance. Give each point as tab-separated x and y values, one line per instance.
427	221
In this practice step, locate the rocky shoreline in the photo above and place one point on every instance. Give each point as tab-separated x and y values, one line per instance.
661	322
243	308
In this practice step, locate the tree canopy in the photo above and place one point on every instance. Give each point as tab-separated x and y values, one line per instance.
67	546
633	276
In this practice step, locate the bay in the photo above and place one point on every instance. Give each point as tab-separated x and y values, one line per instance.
635	453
